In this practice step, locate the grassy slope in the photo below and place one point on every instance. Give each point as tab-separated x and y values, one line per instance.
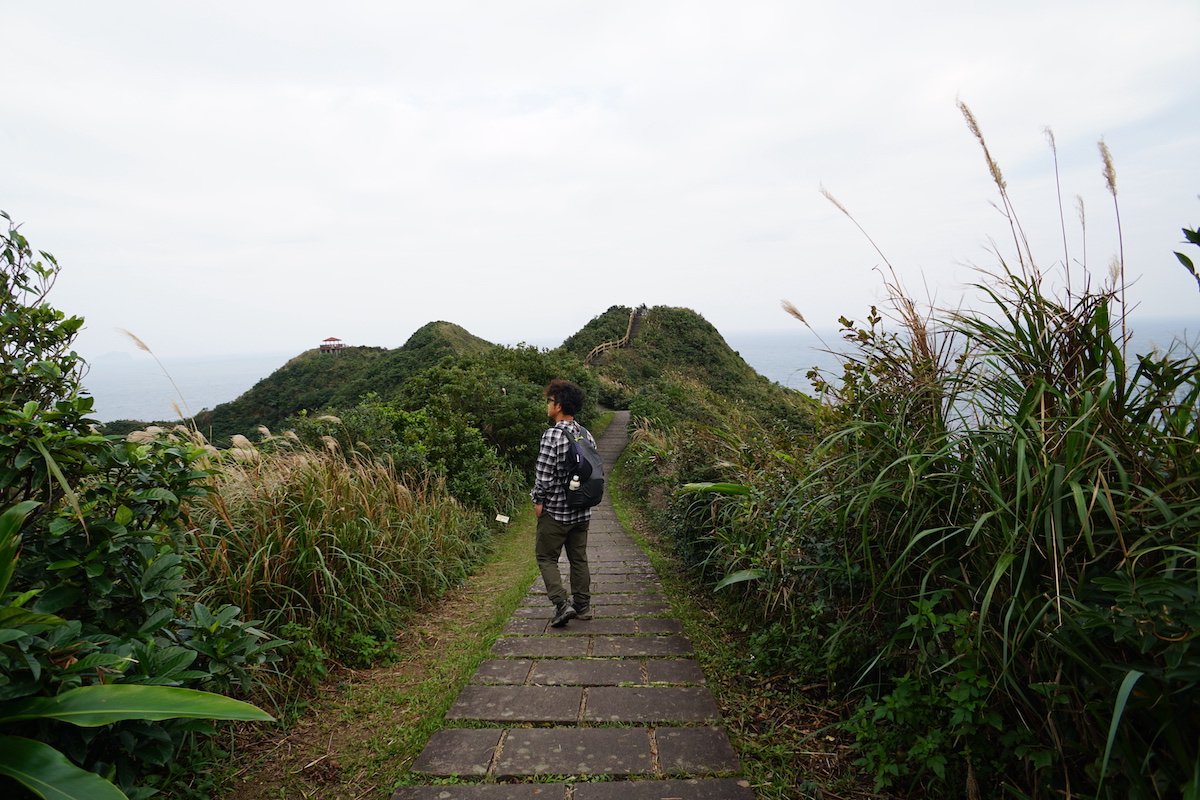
606	327
316	381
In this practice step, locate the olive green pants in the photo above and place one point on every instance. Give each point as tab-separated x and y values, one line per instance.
552	536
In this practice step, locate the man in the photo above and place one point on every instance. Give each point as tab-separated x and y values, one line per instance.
558	524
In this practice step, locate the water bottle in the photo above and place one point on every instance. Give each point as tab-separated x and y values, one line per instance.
574	484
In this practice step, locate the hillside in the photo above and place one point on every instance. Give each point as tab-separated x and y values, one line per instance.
316	381
678	366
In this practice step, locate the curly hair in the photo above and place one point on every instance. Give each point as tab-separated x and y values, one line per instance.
567	395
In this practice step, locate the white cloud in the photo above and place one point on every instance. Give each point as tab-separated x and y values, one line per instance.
263	175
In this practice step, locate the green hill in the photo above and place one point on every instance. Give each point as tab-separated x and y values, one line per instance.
316	381
678	366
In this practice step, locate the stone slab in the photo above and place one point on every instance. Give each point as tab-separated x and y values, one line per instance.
511	672
674	671
658	626
542	647
525	627
695	751
594	627
586	673
496	791
601	609
698	789
603	554
650	704
539	611
458	752
630	610
517	704
623	598
633	646
586	751
612	574
626	587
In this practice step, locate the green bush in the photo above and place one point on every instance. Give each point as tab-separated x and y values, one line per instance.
432	443
500	394
999	517
100	600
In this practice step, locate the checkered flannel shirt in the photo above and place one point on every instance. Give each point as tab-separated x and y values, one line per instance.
550	483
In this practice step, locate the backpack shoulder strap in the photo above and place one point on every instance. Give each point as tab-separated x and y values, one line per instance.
566	431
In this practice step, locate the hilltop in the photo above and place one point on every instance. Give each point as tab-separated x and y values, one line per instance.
677	365
316	381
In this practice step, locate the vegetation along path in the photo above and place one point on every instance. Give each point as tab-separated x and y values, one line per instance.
612	707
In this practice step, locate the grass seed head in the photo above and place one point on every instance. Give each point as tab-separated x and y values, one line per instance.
791	309
1110	172
973	126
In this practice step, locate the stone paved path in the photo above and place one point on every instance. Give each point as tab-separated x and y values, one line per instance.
612	708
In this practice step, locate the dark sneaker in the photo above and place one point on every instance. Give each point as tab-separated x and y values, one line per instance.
562	615
583	612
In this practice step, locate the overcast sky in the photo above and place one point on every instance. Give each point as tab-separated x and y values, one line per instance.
258	176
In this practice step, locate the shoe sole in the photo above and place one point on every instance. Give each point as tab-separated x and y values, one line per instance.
566	617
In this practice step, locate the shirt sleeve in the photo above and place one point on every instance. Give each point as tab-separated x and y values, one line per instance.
550	454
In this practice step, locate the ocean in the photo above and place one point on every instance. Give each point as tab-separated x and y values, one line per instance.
136	387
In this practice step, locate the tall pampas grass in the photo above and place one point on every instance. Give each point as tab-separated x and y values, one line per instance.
337	546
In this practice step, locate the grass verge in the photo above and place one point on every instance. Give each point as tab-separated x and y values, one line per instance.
360	735
780	728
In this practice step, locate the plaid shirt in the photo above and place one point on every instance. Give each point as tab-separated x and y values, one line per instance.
553	461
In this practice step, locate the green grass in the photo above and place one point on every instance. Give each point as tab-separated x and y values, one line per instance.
778	728
368	726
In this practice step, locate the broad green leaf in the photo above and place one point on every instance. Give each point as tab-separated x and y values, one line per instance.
92	706
12	616
124	515
63	483
12	518
157	620
157	493
93	660
739	577
10	541
48	773
718	488
57	599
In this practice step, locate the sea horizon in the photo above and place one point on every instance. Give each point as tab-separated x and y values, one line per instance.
137	387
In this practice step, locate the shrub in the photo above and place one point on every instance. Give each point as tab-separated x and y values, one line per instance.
430	444
1000	519
101	599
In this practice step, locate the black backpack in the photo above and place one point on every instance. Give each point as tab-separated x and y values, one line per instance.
585	471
